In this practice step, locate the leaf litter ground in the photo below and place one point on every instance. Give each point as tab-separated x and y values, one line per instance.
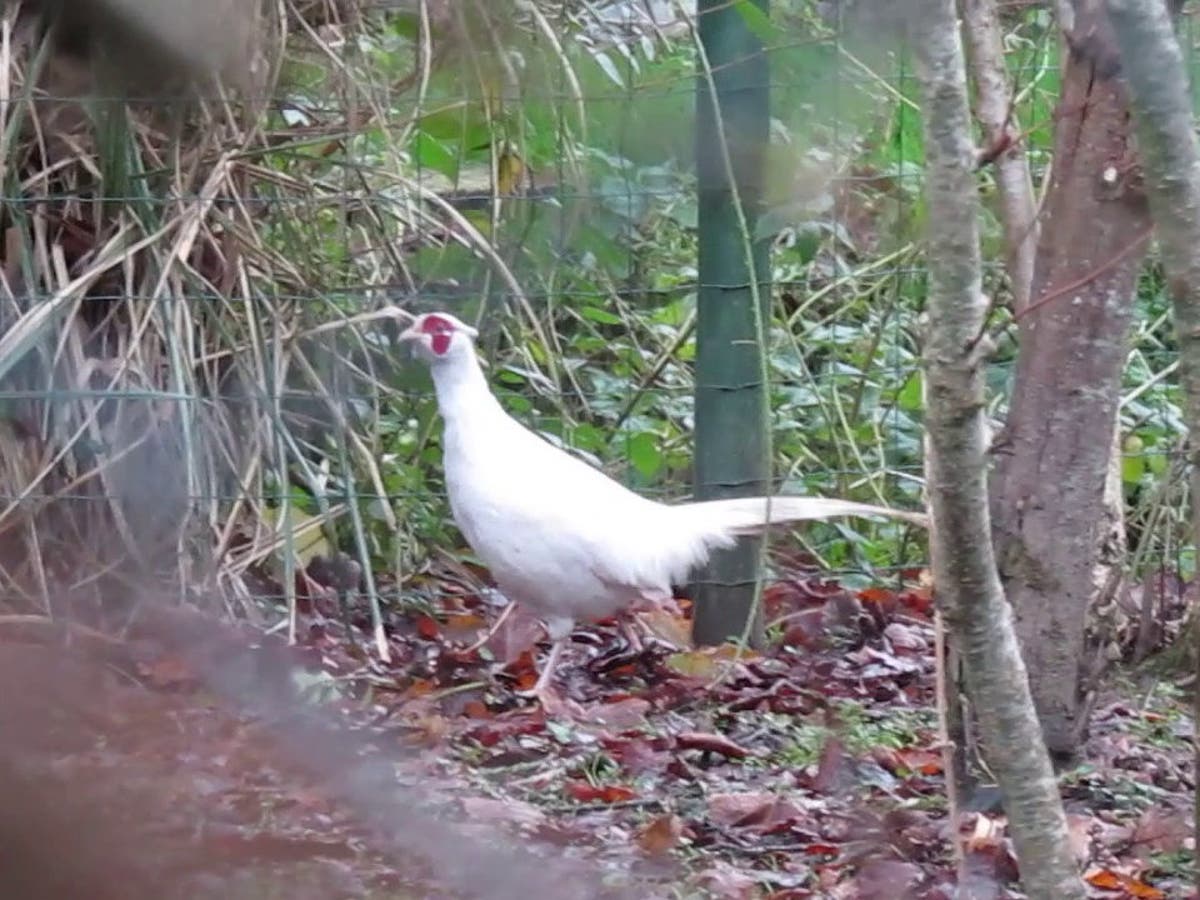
812	770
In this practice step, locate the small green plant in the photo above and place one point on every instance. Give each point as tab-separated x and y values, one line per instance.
858	728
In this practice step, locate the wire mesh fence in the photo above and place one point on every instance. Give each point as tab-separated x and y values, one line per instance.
195	378
203	396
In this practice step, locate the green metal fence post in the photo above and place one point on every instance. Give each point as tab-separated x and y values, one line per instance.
731	436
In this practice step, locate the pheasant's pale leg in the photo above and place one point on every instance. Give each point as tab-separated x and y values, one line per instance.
542	689
629	625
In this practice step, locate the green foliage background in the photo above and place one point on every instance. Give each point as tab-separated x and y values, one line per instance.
601	237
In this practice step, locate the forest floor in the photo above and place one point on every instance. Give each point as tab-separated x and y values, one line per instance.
812	770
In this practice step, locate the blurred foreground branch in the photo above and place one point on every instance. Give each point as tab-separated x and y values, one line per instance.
161	46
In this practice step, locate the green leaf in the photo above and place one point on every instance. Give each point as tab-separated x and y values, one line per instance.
1132	469
589	438
466	125
644	453
308	539
757	20
405	24
430	153
318	688
480	218
603	316
909	398
686	213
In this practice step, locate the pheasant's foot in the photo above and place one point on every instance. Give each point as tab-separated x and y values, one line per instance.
543	688
629	626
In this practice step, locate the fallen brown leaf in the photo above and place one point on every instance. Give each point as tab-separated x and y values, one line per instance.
711	743
729	809
708	662
885	879
876	595
598	793
1160	831
756	809
667	626
832	771
661	835
805	629
915	760
515	636
427	627
476	709
986	833
167	672
624	713
728	883
420	687
1118	881
905	638
460	624
636	755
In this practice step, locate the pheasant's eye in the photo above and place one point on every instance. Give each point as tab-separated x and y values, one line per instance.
436	325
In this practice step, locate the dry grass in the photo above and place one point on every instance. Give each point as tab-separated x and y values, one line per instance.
189	294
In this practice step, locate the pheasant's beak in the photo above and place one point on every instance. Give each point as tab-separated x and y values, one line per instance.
409	334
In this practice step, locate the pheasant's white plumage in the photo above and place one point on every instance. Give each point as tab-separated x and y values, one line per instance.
557	534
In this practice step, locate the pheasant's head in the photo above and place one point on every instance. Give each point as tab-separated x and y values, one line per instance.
440	336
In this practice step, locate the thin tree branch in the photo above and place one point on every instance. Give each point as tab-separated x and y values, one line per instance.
993	108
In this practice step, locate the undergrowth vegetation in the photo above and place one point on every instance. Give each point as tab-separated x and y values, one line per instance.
201	367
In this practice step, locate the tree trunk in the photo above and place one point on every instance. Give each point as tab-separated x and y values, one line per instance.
1017	209
964	568
1052	459
1162	103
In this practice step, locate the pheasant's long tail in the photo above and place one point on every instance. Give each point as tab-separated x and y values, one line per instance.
751	515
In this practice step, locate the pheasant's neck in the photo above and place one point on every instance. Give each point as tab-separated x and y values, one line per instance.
463	393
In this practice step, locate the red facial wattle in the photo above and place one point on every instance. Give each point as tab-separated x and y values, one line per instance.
439	331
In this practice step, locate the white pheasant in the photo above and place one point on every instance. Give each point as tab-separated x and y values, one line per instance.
559	535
